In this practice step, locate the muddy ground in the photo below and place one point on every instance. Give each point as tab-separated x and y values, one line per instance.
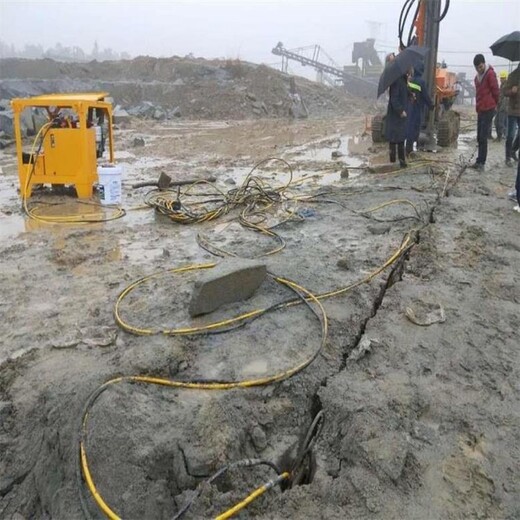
417	379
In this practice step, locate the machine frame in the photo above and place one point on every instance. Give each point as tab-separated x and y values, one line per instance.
69	153
440	81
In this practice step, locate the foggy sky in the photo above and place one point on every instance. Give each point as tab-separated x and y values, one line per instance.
248	30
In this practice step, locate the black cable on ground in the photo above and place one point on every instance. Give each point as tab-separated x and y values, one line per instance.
247	463
254	197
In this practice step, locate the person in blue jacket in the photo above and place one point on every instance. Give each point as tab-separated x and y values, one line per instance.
395	128
419	98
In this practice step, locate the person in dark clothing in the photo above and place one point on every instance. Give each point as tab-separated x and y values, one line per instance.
512	92
395	130
418	99
501	115
389	58
517	186
487	96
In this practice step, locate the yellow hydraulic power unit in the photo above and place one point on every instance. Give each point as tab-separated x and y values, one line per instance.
69	145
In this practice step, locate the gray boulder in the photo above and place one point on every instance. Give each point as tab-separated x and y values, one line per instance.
7	123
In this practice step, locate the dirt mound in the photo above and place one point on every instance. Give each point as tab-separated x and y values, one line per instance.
197	88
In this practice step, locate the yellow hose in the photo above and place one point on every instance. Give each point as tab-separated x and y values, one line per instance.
253	496
236	319
90	483
114	214
225	385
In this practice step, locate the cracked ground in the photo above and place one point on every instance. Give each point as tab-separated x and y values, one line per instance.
417	379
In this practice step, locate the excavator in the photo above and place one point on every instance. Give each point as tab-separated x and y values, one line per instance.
424	31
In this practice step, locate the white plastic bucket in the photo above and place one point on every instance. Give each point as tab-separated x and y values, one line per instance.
110	183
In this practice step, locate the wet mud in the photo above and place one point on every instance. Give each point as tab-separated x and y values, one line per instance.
420	413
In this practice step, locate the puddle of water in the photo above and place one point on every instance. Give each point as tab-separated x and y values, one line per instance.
193	125
12	221
320	150
135	168
15	223
12	225
350	149
347	149
8	192
7	159
466	141
301	177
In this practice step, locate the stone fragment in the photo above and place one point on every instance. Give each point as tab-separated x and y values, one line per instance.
387	454
102	336
120	115
232	280
343	263
379	229
259	438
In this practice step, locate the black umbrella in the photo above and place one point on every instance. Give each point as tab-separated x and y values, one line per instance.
409	57
508	46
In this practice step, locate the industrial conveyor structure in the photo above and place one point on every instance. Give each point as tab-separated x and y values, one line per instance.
359	80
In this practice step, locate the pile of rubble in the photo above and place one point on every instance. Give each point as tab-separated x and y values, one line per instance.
176	87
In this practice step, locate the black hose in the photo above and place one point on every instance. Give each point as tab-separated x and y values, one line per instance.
82	433
310	440
412	25
444	12
402	21
221	471
81	437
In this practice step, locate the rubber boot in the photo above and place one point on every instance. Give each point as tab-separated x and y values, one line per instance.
400	153
392	152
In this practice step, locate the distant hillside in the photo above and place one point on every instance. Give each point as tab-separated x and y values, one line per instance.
209	89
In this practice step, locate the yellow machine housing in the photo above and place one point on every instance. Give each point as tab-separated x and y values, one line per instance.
68	155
